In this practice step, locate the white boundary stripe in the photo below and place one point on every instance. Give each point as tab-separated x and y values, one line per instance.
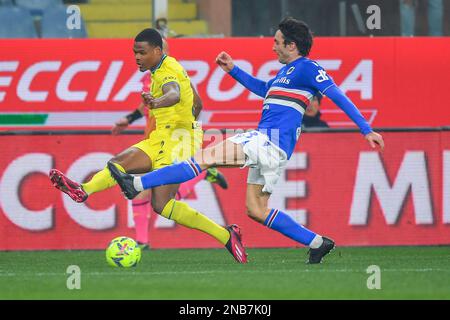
85	118
107	119
82	119
286	103
62	274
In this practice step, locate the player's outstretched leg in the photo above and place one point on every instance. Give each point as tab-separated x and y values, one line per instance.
80	192
71	188
183	171
282	222
132	159
174	174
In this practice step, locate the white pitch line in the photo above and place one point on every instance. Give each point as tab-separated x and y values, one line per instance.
157	273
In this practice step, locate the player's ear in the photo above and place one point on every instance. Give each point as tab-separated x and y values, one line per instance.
156	49
293	46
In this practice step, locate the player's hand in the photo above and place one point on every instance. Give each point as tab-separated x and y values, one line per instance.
225	61
375	139
119	126
148	99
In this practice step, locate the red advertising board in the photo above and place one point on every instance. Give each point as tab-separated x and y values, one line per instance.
395	82
335	184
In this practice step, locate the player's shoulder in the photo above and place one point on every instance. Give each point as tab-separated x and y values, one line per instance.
169	60
306	64
308	69
170	63
168	67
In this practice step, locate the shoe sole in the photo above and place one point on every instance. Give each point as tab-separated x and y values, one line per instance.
59	182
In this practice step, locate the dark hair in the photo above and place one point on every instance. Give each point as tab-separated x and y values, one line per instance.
297	31
150	35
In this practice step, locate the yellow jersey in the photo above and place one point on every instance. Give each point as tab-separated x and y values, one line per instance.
170	70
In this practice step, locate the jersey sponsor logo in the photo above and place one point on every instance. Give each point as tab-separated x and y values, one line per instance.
284	80
168	78
322	76
291	69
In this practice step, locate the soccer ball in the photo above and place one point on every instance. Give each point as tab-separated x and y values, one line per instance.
123	252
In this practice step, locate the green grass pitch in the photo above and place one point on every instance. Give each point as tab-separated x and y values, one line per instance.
406	273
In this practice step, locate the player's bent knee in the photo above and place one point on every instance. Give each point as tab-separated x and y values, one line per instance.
114	160
118	160
158	205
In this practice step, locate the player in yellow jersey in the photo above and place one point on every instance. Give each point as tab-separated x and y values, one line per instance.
141	206
177	137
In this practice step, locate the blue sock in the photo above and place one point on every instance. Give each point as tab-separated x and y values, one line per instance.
283	223
175	173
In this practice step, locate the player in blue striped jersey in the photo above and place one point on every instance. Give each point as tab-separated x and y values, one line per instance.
266	150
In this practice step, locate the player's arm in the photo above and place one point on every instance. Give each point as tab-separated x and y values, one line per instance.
171	95
253	84
198	104
124	122
321	81
342	101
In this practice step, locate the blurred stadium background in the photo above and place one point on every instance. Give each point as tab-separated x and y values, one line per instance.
62	89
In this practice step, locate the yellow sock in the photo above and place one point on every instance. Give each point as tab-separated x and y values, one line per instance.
101	180
183	214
